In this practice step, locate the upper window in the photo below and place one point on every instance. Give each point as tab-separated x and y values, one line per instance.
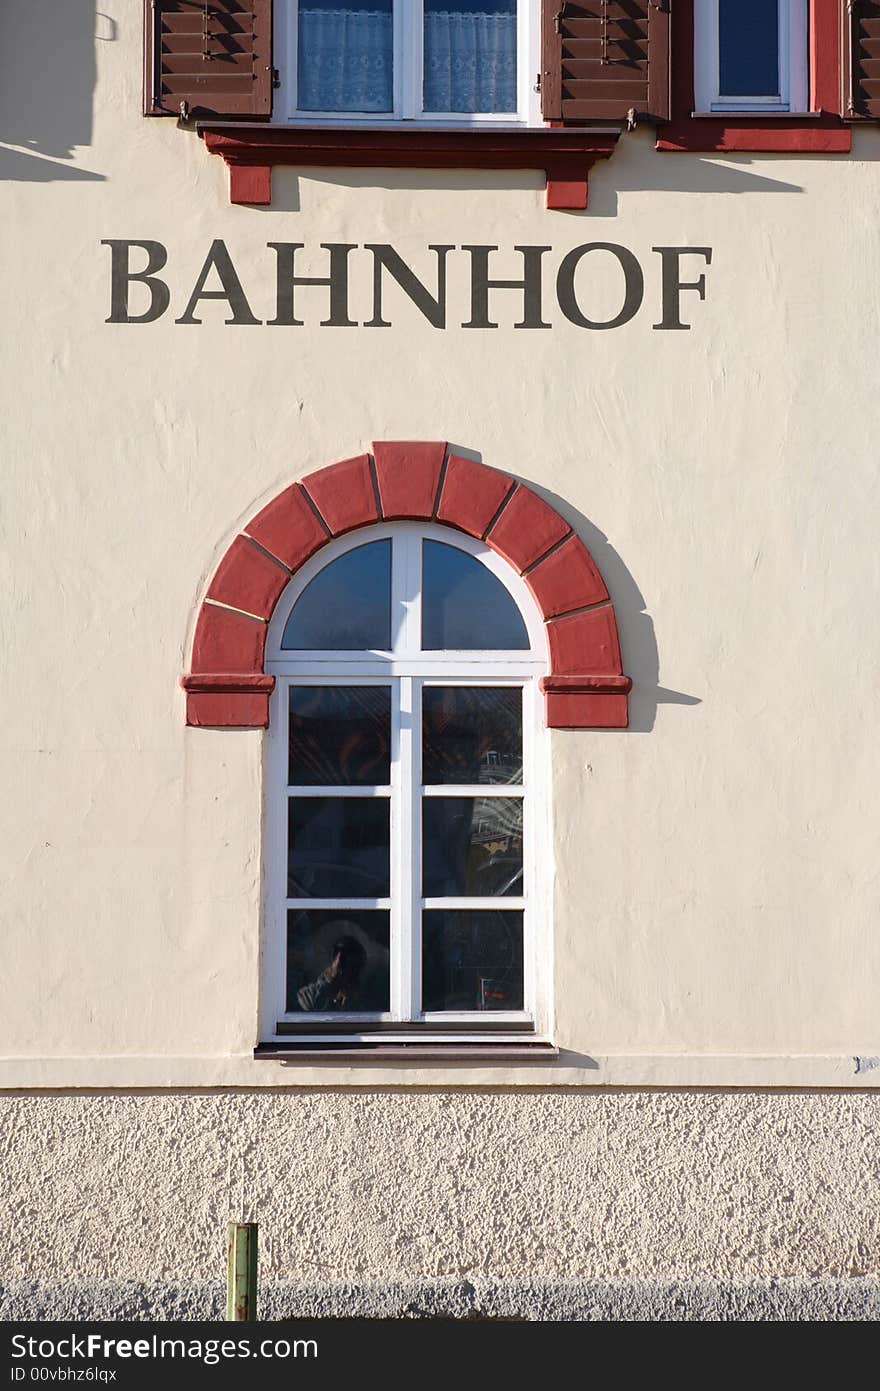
404	794
410	60
751	55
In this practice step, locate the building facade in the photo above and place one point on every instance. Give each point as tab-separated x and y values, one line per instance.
450	837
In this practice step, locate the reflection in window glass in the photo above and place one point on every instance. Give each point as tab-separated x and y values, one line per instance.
340	736
472	846
464	606
347	606
345	55
472	960
338	847
472	734
470	55
748	42
338	959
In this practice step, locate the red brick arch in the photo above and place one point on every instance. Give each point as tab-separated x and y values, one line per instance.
585	689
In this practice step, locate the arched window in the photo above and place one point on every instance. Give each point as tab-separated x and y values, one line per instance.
405	794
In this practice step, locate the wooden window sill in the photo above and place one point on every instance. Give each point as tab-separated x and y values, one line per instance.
252	150
492	1051
779	132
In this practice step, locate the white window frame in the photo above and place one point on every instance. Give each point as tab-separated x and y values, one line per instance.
409	670
408	58
793	95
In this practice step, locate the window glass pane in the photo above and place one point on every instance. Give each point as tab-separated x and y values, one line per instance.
472	734
337	960
464	606
345	53
472	960
347	606
470	55
340	736
472	846
748	41
338	847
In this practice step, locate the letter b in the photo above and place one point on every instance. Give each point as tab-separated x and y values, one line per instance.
121	277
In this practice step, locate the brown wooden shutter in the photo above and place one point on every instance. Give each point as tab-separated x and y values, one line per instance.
862	60
605	60
216	57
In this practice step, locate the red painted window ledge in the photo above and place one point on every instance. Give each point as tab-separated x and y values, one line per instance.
251	152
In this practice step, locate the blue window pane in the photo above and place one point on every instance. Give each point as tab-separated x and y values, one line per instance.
340	736
472	960
347	607
748	41
464	606
470	55
338	847
345	55
472	734
338	959
473	846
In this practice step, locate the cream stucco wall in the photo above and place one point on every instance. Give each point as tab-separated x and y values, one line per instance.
716	888
585	1186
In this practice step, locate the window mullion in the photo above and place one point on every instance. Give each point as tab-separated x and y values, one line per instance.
407	25
416	851
402	865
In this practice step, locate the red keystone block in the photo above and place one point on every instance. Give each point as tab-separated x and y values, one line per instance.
586	710
472	494
567	191
227	710
526	529
288	528
227	641
409	475
247	579
343	494
566	580
585	643
251	184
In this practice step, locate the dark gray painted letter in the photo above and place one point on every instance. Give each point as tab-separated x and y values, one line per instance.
219	259
673	283
634	280
121	277
530	285
337	281
433	307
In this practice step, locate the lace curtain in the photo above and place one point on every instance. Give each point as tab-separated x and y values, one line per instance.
346	60
470	61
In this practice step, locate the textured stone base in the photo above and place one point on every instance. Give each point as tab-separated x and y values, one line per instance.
822	1300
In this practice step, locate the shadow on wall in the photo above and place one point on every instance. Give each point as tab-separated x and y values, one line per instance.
635	166
48	83
638	641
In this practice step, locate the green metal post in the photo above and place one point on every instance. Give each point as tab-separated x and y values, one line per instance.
241	1273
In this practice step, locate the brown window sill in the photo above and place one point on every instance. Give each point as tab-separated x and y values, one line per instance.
768	132
495	1051
251	151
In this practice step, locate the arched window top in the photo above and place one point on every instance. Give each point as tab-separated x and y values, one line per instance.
408	592
461	504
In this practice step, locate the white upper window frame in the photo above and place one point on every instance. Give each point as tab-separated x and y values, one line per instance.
408	59
407	669
794	77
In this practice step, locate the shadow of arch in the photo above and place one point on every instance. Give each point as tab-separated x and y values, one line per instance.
638	639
